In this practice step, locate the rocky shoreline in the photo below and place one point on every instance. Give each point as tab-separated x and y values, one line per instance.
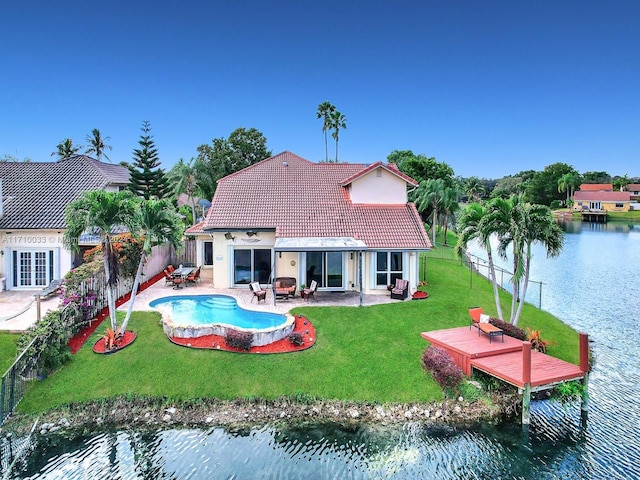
123	413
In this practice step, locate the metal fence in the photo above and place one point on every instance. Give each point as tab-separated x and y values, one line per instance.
25	368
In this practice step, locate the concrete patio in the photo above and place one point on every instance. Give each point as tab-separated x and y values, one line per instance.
18	309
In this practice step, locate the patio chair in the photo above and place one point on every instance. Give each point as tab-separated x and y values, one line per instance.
474	314
308	292
170	268
401	289
168	278
194	277
258	292
50	289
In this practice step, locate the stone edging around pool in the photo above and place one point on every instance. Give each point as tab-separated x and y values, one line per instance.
261	337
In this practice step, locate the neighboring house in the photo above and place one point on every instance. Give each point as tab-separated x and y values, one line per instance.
347	226
596	187
32	204
601	201
634	191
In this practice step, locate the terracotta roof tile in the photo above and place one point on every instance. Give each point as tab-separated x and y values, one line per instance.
602	196
596	187
299	198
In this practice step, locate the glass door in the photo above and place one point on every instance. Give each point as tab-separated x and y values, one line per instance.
326	268
251	265
33	268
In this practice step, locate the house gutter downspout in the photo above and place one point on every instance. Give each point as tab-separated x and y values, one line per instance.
360	274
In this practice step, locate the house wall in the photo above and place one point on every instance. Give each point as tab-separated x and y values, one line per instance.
379	187
604	206
33	241
223	253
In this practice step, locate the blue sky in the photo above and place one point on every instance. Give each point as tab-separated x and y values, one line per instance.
489	87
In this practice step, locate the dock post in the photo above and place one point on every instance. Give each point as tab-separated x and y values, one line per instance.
526	379
584	366
38	309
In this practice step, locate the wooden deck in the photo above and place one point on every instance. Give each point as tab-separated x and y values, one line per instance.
505	361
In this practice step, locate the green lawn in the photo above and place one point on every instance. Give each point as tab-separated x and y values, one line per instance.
361	354
7	350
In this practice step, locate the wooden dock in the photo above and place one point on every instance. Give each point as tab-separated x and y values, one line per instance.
511	361
595	217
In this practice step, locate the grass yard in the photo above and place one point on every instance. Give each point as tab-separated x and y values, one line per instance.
367	354
8	350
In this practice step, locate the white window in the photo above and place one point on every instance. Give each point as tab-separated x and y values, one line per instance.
388	268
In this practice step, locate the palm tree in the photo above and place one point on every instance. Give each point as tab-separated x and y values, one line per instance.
156	222
430	194
473	224
540	227
569	182
325	109
338	121
100	212
450	205
97	145
184	178
474	188
66	149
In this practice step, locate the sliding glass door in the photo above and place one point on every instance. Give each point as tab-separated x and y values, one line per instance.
251	265
325	268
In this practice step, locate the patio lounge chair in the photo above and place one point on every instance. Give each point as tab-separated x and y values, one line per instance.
50	289
258	292
308	292
482	322
474	314
401	289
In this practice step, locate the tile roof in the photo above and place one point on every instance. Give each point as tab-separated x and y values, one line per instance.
595	187
602	196
35	194
633	187
195	229
299	198
390	167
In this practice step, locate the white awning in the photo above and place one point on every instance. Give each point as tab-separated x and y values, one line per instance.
303	244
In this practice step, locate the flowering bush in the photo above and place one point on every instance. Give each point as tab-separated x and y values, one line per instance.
129	252
442	367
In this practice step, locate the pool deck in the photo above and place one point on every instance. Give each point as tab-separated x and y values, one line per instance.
18	308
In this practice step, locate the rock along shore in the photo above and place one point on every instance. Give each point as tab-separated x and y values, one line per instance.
123	413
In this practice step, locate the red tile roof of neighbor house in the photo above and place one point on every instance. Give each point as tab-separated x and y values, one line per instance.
299	198
602	196
596	187
195	229
633	187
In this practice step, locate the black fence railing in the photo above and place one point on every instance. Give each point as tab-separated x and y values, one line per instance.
14	381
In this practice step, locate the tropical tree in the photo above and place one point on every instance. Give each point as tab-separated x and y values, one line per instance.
620	183
97	145
528	224
474	188
325	109
101	212
473	224
184	178
147	179
243	148
156	222
568	183
543	187
338	121
430	194
66	148
450	206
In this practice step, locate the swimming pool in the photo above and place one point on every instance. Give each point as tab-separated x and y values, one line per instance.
190	316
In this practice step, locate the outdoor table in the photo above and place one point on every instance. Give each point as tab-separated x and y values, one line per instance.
180	274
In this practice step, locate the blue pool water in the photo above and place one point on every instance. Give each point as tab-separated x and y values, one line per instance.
214	309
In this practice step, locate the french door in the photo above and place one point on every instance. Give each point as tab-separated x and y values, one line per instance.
326	268
32	268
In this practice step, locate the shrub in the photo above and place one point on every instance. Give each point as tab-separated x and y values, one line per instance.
568	392
237	339
555	204
536	341
442	367
295	338
50	351
508	329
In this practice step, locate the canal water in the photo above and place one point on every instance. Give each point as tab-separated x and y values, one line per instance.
593	286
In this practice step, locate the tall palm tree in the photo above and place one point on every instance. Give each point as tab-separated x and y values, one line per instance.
66	149
184	178
473	224
338	121
325	109
156	222
430	194
450	206
100	212
540	227
97	145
